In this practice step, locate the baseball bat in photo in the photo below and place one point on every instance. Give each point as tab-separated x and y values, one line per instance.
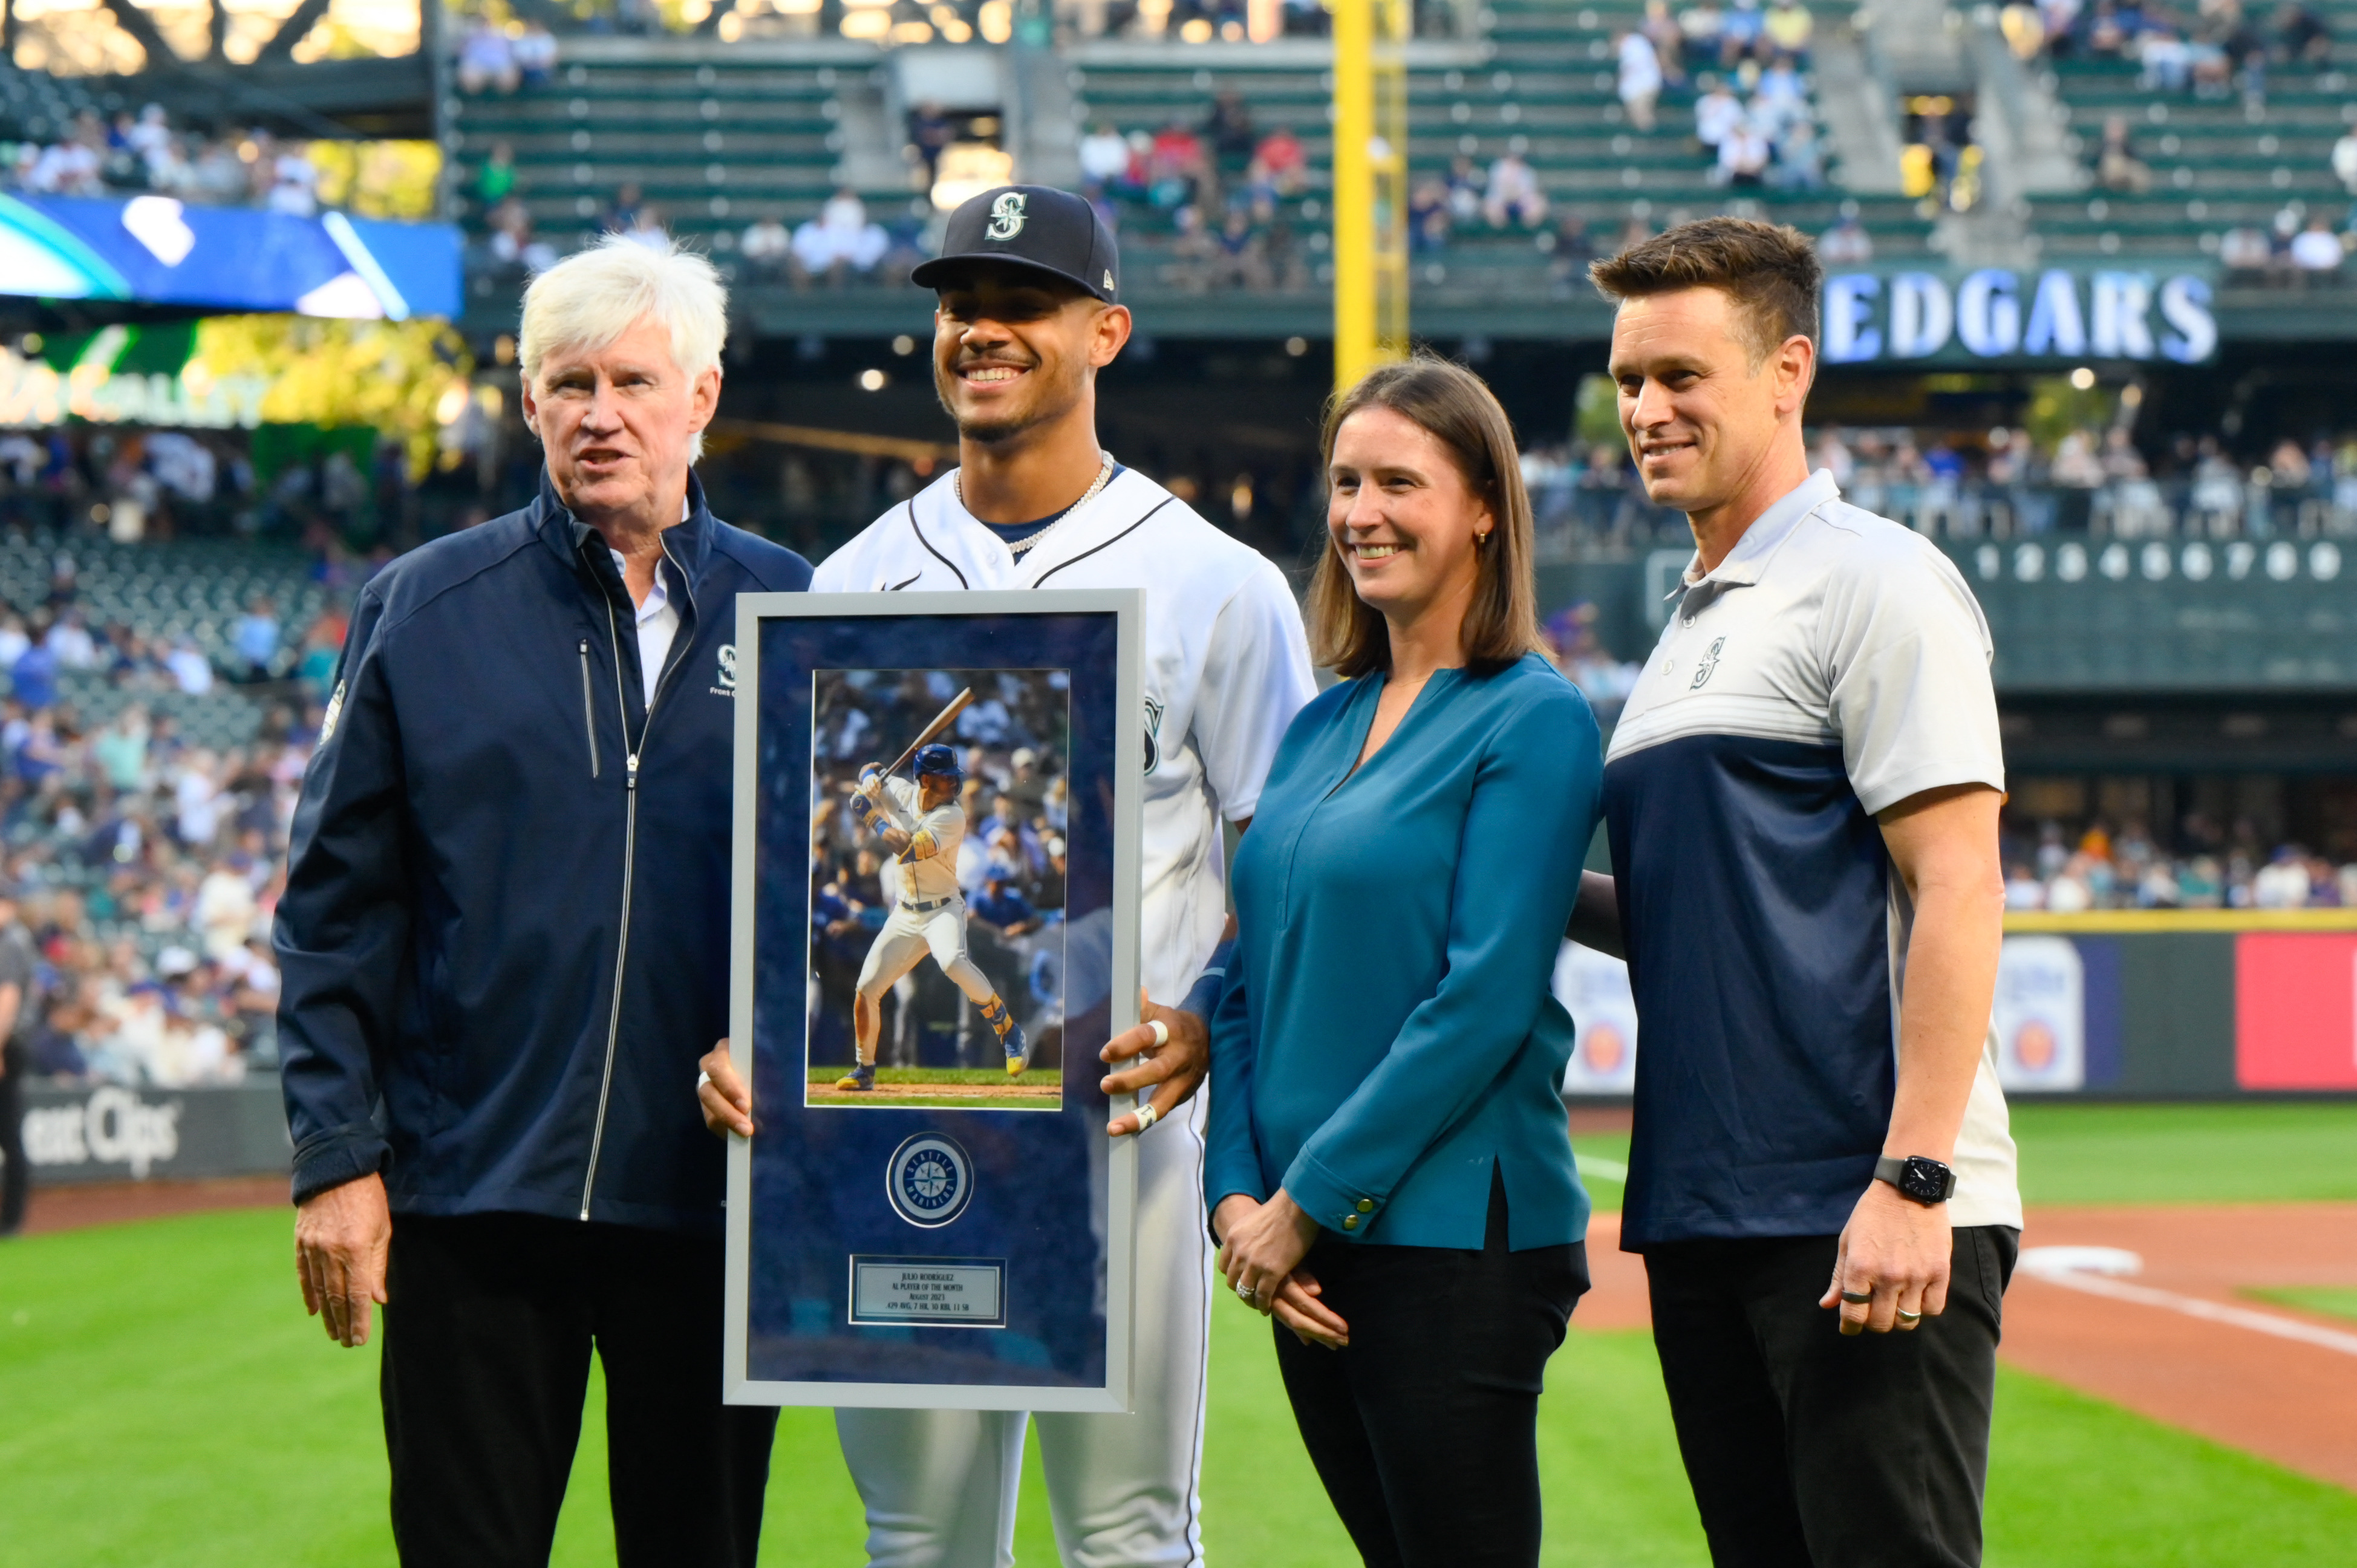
957	705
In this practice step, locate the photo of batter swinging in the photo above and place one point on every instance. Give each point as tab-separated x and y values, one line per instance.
948	848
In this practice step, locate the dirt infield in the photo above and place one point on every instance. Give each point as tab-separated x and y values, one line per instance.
2293	1402
113	1203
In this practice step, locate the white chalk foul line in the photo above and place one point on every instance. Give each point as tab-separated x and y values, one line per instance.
1597	1165
2195	1307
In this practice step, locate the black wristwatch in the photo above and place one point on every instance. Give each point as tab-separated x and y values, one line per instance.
1928	1182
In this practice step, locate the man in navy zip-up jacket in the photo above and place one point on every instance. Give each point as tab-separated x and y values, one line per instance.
504	941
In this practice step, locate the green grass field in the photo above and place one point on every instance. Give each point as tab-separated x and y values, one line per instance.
1041	1089
163	1401
2329	1300
2112	1154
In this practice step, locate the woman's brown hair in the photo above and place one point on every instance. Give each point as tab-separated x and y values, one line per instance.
1450	404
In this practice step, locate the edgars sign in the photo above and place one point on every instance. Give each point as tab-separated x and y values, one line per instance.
1995	313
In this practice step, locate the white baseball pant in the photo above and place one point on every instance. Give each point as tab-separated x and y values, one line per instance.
907	936
940	1486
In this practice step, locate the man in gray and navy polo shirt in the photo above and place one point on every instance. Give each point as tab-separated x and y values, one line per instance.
1802	796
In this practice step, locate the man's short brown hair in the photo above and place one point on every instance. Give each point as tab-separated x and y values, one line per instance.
1770	270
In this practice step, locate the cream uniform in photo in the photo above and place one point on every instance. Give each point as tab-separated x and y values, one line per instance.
928	913
1227	666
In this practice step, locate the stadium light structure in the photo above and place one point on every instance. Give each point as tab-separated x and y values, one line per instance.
1371	277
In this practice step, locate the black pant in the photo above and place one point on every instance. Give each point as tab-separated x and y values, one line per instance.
16	1181
1424	1430
1807	1447
487	1344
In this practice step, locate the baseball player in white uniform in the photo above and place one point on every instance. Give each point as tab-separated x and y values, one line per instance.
922	824
1027	285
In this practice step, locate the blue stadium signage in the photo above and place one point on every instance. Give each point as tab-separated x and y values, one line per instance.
157	249
1995	313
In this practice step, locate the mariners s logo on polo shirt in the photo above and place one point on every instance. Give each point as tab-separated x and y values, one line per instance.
929	1179
1007	216
1709	663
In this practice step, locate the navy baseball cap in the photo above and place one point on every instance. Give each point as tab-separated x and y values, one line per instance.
941	760
1035	227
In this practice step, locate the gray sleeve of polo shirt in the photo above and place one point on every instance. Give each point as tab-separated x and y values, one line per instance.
1907	656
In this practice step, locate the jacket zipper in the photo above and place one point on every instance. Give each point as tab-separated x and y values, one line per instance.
589	709
629	855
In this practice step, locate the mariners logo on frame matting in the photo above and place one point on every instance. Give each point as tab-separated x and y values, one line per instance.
929	1180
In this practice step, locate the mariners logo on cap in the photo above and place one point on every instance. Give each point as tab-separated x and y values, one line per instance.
929	1180
1006	215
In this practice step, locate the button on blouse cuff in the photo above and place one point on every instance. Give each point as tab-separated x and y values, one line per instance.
1337	1206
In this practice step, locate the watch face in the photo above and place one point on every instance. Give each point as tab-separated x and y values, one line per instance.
1924	1180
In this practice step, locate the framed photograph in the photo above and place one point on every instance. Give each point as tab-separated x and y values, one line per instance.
934	934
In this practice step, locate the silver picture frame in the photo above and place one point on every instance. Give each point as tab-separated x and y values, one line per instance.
1101	1217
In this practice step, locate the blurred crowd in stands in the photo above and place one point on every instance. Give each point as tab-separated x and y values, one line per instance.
1571	644
503	55
144	865
2090	478
2300	248
2211	49
140	154
1236	196
129	485
499	53
1753	121
2211	869
1999	482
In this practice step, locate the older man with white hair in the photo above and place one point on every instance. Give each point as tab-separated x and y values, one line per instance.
504	945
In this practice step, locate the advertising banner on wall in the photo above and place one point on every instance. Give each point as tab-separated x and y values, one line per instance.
2296	1010
2040	1014
115	1132
2129	1004
1593	989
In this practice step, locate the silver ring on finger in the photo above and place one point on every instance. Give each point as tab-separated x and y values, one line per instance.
1910	1318
1244	1295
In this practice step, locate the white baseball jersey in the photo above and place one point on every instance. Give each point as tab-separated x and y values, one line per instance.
924	877
1226	668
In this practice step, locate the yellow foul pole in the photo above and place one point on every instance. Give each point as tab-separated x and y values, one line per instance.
1369	186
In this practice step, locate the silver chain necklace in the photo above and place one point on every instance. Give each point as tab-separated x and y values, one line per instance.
1017	547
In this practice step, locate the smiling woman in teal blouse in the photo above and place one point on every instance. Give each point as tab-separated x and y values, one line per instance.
1390	1168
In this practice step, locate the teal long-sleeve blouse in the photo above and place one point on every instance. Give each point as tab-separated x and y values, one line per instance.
1387	1033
